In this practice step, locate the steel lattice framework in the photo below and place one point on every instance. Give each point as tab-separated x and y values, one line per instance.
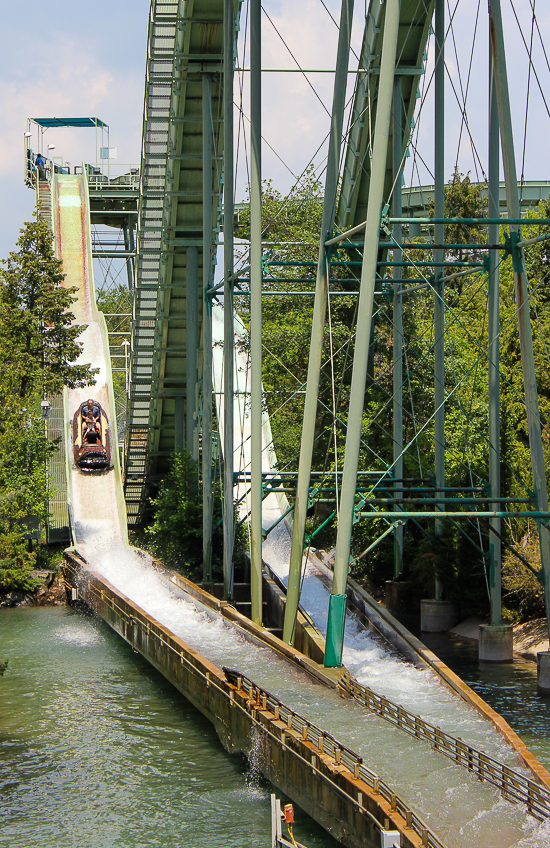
184	47
414	25
188	111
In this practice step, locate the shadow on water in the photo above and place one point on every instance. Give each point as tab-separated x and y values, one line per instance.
510	688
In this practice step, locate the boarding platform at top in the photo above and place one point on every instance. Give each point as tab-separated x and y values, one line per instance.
113	191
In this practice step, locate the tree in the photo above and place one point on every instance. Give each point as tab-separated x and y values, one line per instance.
38	356
39	346
291	226
175	533
451	555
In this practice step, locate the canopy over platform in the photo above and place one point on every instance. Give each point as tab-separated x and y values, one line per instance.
70	122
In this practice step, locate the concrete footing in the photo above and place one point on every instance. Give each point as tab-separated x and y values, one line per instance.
496	643
438	616
398	596
543	672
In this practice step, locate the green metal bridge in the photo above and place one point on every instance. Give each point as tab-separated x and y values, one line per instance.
178	219
174	207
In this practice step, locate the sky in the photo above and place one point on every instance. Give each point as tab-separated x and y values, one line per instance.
65	59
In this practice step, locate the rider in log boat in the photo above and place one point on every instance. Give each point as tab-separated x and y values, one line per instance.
91	423
92	449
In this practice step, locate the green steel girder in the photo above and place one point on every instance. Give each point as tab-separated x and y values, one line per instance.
414	26
184	41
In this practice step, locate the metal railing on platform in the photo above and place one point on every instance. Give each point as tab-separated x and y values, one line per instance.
259	698
513	785
126	178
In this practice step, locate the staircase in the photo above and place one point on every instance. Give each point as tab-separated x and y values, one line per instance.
44	202
242	603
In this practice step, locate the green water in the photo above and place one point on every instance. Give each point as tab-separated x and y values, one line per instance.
97	750
510	688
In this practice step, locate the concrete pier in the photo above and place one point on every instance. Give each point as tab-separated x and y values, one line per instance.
438	616
543	672
496	643
398	596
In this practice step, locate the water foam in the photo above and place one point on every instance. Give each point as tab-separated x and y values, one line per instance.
461	810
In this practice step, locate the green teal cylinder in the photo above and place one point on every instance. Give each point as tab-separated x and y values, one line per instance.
335	631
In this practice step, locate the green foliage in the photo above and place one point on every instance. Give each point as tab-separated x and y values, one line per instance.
522	591
466	411
116	301
175	533
16	563
38	353
293	225
39	346
23	455
463	199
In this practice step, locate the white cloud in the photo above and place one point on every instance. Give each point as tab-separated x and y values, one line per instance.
62	70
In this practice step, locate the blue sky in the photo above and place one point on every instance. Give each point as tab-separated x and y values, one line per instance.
61	59
72	58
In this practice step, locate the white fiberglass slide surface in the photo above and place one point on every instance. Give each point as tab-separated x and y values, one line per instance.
274	504
97	506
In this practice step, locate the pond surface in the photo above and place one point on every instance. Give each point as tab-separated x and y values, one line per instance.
98	750
510	688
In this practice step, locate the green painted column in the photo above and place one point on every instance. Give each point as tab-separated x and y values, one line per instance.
179	423
520	284
439	255
397	364
256	310
228	331
318	324
336	617
192	349
495	546
207	501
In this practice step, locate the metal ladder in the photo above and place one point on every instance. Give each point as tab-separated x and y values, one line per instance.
44	201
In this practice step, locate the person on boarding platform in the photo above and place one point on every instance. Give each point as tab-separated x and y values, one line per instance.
41	165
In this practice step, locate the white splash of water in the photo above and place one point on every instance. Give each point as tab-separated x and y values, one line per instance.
461	810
